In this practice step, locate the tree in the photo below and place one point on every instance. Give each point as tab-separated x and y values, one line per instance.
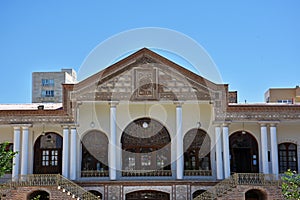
291	185
6	156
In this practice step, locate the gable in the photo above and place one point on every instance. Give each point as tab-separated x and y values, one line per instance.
145	75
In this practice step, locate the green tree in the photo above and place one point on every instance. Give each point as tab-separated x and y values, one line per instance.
6	156
291	185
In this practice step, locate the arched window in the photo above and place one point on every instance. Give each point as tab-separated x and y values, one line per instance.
94	154
48	154
197	150
287	157
146	146
39	194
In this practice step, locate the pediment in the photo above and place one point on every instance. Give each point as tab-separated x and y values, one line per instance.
145	75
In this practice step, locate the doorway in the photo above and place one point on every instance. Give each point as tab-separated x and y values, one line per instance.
243	153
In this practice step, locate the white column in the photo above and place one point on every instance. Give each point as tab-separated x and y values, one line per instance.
219	161
24	159
264	148
274	149
112	143
73	154
226	159
16	159
65	152
179	143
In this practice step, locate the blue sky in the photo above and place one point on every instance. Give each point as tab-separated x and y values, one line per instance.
255	44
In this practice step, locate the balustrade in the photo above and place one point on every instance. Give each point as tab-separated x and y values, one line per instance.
48	180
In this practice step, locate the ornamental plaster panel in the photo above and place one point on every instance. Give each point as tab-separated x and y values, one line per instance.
114	192
181	192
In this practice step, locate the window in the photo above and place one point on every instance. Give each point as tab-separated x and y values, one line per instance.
48	82
47	93
287	157
285	101
197	150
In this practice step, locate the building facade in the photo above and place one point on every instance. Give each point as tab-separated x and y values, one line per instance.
283	95
147	128
47	86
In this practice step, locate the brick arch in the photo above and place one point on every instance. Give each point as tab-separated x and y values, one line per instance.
147	194
255	193
44	195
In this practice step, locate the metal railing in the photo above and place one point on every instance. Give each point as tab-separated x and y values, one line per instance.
56	180
230	183
197	172
128	173
94	173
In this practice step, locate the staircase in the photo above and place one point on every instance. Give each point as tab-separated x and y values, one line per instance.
49	181
227	188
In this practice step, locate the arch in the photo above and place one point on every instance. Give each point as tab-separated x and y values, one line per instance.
197	193
48	154
255	194
146	145
147	194
287	157
244	153
96	193
196	144
39	194
94	153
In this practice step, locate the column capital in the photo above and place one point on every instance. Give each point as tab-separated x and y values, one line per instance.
274	123
113	103
263	123
26	126
226	123
16	127
178	103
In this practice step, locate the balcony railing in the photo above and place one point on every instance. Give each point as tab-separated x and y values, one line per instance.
48	180
128	173
94	173
239	179
197	172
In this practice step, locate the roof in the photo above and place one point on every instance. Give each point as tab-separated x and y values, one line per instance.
31	106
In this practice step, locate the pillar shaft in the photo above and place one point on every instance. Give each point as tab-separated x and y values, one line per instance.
24	160
179	143
226	151
264	148
16	159
65	153
73	154
219	161
274	149
112	144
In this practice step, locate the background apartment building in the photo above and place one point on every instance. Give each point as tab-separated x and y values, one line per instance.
47	86
283	95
